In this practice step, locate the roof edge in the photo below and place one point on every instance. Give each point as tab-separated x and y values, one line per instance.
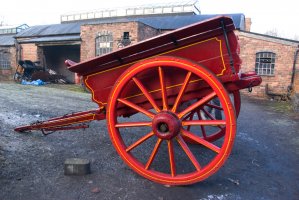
269	36
50	35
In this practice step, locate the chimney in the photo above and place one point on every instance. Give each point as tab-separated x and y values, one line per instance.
247	24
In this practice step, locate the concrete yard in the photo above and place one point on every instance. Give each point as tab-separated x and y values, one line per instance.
263	164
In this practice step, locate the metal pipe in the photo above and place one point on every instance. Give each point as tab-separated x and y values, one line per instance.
290	87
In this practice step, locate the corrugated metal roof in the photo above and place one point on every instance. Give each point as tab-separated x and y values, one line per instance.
63	38
54	29
175	22
169	22
7	40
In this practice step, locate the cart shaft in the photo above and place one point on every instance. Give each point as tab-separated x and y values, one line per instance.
66	122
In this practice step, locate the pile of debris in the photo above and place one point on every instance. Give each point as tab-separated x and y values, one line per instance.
49	76
28	71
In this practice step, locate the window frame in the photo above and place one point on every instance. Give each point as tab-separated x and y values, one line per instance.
265	63
5	62
103	43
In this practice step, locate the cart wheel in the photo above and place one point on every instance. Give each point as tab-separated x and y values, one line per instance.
151	142
212	110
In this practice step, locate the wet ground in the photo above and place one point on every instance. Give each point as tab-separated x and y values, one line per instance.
263	164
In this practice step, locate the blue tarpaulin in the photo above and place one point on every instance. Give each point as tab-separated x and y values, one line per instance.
36	82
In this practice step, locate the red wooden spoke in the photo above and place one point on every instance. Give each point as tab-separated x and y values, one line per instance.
146	93
214	106
171	158
140	141
154	153
204	123
182	90
163	89
187	116
136	107
191	118
201	141
211	117
197	104
132	124
188	152
208	114
203	130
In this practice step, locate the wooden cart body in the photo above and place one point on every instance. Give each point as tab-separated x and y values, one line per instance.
203	44
161	78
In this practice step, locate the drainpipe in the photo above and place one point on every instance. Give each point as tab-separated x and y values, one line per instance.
290	87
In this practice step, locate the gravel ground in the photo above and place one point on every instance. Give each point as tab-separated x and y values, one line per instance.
263	165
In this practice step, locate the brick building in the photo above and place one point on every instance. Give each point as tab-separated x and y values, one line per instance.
8	58
80	37
271	57
7	55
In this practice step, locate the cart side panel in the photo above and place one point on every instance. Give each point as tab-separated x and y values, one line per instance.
211	53
157	45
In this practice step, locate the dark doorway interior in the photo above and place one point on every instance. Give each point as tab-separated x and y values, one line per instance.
56	55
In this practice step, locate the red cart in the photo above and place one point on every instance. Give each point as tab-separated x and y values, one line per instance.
170	102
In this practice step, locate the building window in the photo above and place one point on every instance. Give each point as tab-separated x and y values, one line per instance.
104	43
265	63
126	36
124	41
5	61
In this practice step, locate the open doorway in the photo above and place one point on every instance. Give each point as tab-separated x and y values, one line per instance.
56	55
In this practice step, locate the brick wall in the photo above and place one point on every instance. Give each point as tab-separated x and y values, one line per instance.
137	31
7	74
146	32
296	80
90	32
29	52
247	24
251	44
13	61
295	95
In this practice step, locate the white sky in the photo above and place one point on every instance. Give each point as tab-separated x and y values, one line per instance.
266	15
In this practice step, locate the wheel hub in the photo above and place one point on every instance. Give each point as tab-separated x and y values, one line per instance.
166	125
